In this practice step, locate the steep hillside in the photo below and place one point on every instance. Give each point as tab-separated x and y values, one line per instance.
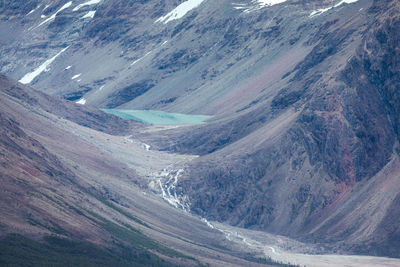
66	200
128	56
318	161
82	115
41	197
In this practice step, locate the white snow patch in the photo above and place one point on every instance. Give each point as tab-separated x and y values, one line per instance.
270	2
28	78
90	14
137	60
76	76
52	17
240	6
323	10
81	101
67	68
180	11
146	146
101	87
42	16
88	3
33	10
256	5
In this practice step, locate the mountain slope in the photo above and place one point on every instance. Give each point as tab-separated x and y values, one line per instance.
66	199
202	62
48	198
323	164
304	136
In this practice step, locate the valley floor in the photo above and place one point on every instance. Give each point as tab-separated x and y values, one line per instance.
162	170
283	249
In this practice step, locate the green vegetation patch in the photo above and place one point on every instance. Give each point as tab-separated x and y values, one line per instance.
16	250
268	261
140	241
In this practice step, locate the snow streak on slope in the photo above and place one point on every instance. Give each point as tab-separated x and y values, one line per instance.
323	10
52	17
256	5
28	78
76	76
90	14
137	60
33	10
180	11
88	3
270	2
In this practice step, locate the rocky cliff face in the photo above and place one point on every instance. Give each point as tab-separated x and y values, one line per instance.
324	158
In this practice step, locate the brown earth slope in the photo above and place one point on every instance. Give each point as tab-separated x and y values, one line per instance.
65	201
319	160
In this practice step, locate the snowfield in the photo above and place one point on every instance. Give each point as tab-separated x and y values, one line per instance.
323	10
81	101
88	3
90	14
270	2
76	76
180	11
52	17
137	60
28	78
256	5
33	10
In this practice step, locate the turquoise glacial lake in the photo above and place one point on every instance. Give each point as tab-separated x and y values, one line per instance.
157	117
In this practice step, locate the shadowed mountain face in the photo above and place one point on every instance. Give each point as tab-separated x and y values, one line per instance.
222	56
322	161
304	138
318	160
